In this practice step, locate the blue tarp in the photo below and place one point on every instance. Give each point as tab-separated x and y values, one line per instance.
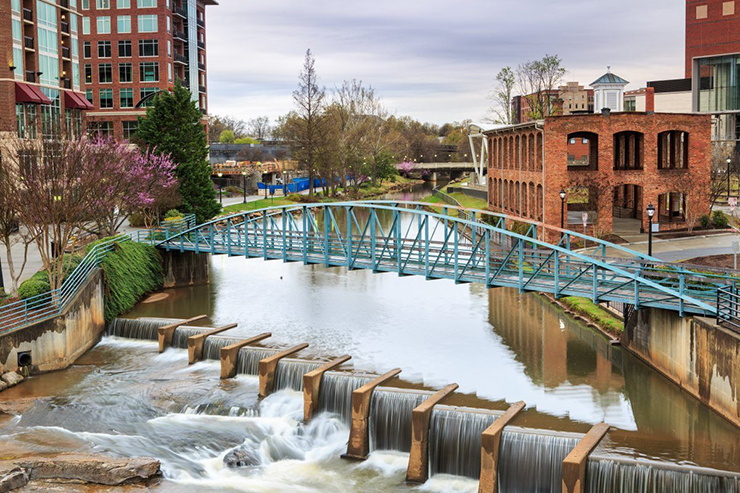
298	185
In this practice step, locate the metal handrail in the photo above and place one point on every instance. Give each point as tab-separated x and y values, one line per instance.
728	308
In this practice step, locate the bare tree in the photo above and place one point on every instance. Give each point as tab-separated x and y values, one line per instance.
305	128
501	97
538	81
12	235
259	128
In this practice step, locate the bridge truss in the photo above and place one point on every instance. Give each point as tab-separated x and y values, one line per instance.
466	246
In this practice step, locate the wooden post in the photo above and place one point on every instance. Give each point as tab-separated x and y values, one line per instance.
165	333
490	446
418	469
574	465
230	354
268	366
196	343
359	441
312	386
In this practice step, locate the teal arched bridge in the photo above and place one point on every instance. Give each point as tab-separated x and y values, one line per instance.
447	242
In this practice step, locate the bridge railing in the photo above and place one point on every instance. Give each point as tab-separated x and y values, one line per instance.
47	305
728	308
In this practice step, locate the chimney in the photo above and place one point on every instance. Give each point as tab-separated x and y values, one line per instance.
650	100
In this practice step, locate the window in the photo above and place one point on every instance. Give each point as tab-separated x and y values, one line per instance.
17	30
169	24
129	129
148	72
18	58
127	98
143	93
46	14
147	23
89	96
104	49
123	4
701	11
728	8
25	118
15	5
100	128
76	75
142	4
148	47
104	25
49	68
628	150
102	4
124	23
75	48
169	48
73	22
88	73
105	73
106	98
85	4
169	71
87	49
125	72
85	25
124	49
73	123
48	41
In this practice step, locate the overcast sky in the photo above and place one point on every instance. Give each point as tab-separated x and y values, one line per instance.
432	60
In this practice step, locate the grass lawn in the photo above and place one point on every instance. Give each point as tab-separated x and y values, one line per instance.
257	204
465	201
597	314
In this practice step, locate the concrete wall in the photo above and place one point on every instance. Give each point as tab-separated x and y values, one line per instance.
184	269
695	353
55	344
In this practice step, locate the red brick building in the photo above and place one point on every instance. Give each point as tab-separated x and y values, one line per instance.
133	49
712	28
632	160
40	86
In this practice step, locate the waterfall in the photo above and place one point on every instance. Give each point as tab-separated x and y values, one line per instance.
606	474
221	410
180	338
289	373
138	328
335	395
390	418
212	346
532	460
455	440
249	358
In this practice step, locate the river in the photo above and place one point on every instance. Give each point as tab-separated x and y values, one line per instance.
500	346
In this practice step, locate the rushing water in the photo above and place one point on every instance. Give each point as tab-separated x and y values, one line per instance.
500	346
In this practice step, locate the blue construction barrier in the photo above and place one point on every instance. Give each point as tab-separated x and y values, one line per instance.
298	185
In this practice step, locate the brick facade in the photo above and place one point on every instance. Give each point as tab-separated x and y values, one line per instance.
634	159
173	59
712	28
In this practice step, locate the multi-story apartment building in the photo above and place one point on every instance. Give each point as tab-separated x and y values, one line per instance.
576	98
133	49
40	81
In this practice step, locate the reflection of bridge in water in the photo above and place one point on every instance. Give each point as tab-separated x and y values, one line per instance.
486	248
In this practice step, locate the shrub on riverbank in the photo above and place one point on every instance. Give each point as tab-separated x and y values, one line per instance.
39	283
131	271
595	313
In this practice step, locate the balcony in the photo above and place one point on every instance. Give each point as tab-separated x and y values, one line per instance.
202	89
27	15
180	11
28	42
64	27
201	23
201	45
66	83
30	76
180	35
65	52
181	59
202	66
64	3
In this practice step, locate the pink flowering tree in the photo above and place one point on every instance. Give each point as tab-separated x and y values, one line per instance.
405	168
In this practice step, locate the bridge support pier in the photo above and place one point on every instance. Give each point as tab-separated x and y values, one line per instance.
359	439
183	269
418	469
490	446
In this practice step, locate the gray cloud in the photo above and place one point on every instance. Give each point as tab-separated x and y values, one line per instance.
429	59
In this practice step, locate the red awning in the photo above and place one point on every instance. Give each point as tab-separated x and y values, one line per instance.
44	99
24	94
73	100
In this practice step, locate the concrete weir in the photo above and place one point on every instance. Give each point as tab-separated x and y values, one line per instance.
229	355
196	342
312	386
268	366
359	442
165	334
490	447
418	469
574	465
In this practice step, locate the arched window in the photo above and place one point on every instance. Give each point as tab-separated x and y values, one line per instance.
673	150
583	150
628	150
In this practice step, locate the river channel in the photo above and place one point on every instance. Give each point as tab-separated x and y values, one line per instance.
500	346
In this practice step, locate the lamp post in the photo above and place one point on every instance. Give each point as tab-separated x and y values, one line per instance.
285	187
220	188
562	209
729	162
650	213
244	185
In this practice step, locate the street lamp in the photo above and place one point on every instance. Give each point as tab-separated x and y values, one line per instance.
729	162
220	188
285	187
562	209
244	185
650	213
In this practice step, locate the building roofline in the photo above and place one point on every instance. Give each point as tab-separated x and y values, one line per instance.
516	126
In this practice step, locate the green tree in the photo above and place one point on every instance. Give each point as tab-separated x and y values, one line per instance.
173	126
226	137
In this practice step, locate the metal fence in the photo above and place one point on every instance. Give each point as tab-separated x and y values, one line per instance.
728	308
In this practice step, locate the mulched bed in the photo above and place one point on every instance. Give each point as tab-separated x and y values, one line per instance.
722	261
